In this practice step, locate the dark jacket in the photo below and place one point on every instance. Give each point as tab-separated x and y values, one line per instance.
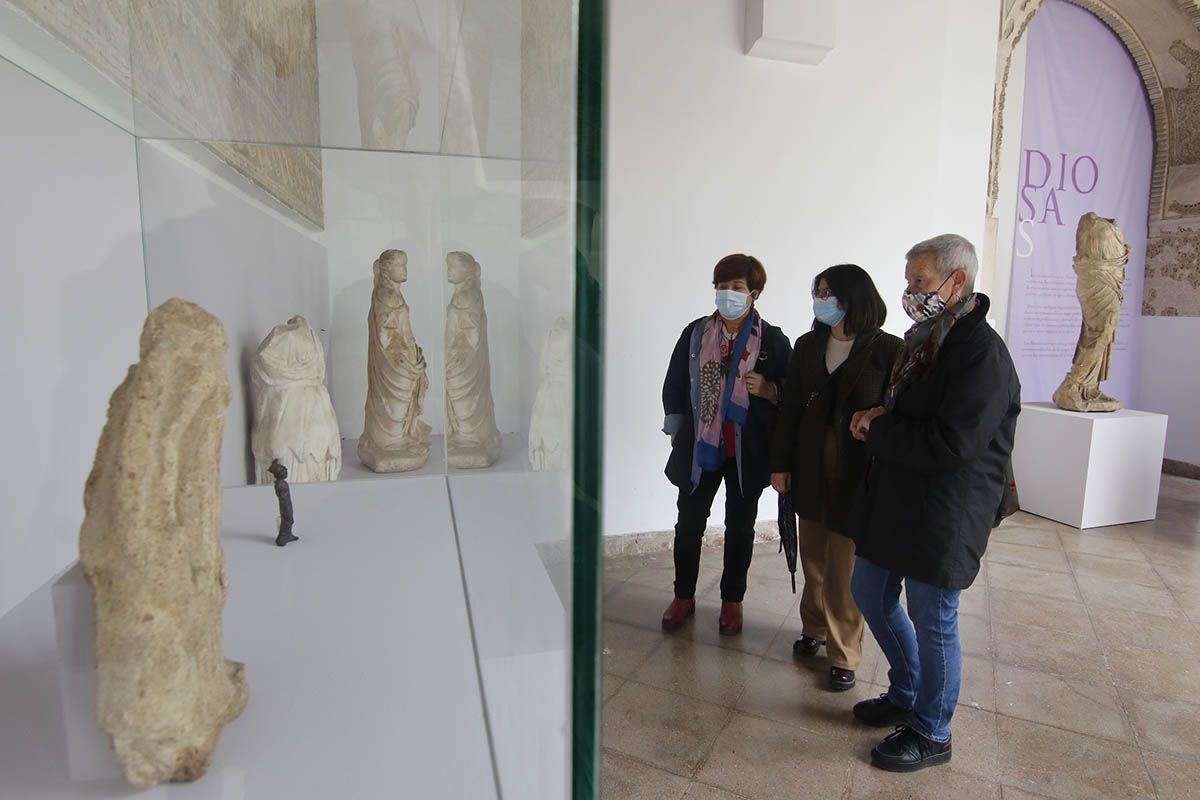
813	401
681	396
938	461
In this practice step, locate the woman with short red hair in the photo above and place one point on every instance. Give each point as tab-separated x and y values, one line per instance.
720	397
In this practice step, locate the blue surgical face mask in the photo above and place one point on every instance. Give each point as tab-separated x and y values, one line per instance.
732	305
827	312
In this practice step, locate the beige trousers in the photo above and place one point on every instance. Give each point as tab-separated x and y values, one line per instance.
827	609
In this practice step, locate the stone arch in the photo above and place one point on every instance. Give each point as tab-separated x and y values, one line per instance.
1017	17
1190	8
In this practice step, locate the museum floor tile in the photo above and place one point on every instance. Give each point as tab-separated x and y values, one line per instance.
1081	677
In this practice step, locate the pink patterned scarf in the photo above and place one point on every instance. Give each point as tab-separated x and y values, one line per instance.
723	400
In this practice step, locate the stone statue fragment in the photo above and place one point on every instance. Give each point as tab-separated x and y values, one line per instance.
473	441
1100	258
550	425
150	549
389	94
294	420
394	438
284	494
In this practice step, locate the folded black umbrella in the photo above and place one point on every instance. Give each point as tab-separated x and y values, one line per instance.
789	538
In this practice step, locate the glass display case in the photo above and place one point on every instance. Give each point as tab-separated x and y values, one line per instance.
418	180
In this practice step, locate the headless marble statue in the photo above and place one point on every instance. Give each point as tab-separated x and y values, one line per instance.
394	438
294	420
1100	258
473	440
550	425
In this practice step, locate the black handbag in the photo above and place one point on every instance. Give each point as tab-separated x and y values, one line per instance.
1010	503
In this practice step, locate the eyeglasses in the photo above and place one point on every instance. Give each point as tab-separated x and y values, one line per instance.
823	294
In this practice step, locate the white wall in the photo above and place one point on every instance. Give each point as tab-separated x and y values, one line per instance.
1169	381
208	240
72	308
427	206
710	152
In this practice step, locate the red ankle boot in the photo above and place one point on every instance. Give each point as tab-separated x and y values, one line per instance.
730	623
677	613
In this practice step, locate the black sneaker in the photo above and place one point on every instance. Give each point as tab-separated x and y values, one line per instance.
806	646
880	712
908	751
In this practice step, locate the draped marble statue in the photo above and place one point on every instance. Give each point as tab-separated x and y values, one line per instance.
550	425
294	420
150	548
473	441
1100	258
389	94
394	438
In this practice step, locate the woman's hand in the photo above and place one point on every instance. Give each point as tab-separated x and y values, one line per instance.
759	386
860	423
781	481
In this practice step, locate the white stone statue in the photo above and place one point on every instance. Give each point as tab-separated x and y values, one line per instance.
294	419
394	438
473	440
150	547
550	425
389	94
1100	258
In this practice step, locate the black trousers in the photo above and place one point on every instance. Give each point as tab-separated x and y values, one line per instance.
741	511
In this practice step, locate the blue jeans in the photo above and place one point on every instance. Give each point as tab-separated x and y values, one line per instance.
926	662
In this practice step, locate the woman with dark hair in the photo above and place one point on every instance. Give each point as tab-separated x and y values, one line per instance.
838	368
720	398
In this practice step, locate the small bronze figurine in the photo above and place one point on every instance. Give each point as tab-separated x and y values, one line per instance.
285	503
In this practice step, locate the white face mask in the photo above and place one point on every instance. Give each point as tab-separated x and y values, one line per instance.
732	305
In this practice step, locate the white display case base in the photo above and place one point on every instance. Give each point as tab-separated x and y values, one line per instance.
513	458
1089	470
89	753
358	650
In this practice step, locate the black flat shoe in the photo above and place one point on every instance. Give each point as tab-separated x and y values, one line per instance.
806	646
841	679
908	751
880	712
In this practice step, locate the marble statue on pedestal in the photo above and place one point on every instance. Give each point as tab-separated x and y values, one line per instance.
150	548
473	441
294	420
1100	258
389	94
550	425
394	438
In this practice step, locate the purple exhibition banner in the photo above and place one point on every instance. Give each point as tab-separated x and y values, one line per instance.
1087	144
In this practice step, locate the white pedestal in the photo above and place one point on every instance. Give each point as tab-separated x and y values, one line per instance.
1089	470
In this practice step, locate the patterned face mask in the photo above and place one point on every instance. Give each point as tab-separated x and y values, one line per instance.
921	306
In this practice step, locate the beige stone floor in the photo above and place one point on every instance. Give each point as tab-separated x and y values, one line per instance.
1081	677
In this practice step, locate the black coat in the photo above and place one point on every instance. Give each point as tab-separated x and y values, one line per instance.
812	402
937	474
773	353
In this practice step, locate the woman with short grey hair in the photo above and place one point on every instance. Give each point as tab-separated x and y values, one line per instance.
939	447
